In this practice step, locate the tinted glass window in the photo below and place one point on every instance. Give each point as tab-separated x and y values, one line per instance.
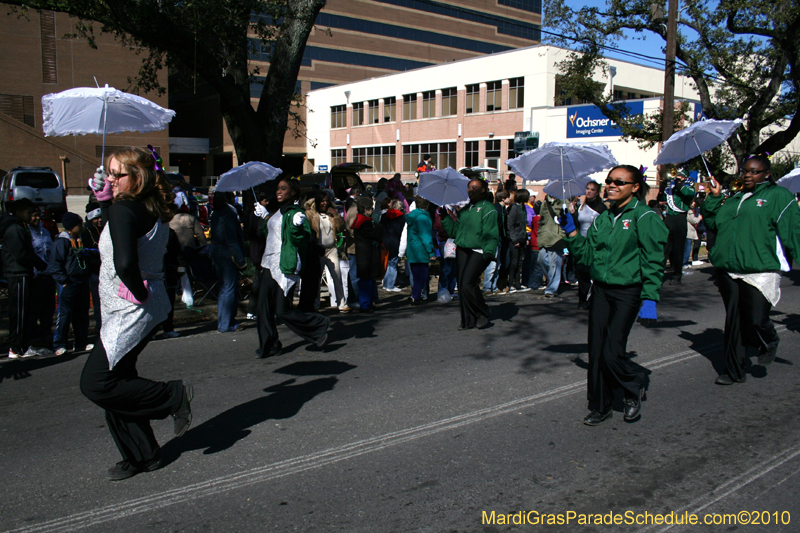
37	180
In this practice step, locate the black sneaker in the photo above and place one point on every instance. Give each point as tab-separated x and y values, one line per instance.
769	354
123	470
183	416
595	417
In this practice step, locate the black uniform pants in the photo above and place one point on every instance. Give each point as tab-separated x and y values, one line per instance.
747	322
612	312
252	300
273	305
676	242
130	401
584	275
310	278
20	319
470	265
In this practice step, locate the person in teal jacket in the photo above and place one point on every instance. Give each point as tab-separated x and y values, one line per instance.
419	247
624	249
755	228
476	236
288	234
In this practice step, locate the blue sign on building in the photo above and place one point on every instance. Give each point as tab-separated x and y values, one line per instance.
322	168
589	121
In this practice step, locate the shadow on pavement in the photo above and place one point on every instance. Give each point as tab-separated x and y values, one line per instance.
17	369
283	401
709	345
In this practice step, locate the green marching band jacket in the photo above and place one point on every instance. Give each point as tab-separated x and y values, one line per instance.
294	239
625	250
748	227
475	227
680	201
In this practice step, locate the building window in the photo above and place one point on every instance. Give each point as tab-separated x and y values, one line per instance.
516	93
449	102
471	154
47	21
380	158
358	113
18	107
473	98
389	108
494	96
372	112
338	116
428	104
511	154
338	156
409	106
442	155
493	153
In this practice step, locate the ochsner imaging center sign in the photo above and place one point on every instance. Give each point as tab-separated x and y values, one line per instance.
589	121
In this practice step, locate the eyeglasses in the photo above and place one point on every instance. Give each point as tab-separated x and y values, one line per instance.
619	183
117	176
746	172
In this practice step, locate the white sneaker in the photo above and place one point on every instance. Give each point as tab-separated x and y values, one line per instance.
524	289
393	289
61	351
344	309
88	348
696	263
33	352
250	316
171	335
13	355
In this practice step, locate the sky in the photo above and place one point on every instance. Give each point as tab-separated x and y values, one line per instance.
645	44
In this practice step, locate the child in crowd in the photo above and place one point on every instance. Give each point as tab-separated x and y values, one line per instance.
68	267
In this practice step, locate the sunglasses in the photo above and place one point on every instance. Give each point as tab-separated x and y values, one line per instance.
752	172
619	183
117	176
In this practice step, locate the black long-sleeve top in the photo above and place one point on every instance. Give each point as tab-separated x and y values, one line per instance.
129	220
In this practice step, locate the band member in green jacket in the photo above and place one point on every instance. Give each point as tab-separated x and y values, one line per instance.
288	234
624	249
476	235
755	227
679	195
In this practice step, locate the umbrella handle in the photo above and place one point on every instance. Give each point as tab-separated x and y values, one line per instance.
563	191
105	116
701	156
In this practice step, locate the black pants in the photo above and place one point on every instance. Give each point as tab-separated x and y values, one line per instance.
676	242
73	309
43	307
470	266
130	402
747	322
273	305
169	324
252	300
311	277
516	255
20	319
584	275
612	312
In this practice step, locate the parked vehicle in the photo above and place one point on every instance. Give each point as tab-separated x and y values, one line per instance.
41	185
340	178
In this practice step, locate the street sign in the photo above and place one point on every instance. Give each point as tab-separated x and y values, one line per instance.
322	168
525	141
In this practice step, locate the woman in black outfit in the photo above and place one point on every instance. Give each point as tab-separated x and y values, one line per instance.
136	199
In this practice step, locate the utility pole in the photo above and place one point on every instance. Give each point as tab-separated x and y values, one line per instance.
668	117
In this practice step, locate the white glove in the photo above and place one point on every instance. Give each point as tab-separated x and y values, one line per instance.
261	211
99	180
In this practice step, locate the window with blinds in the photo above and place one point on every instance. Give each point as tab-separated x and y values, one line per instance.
47	20
18	107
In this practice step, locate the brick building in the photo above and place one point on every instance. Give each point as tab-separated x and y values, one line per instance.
39	57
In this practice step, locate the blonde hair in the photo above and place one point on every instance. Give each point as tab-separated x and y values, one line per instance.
147	185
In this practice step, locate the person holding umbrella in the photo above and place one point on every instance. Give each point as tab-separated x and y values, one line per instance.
679	195
134	302
476	236
624	248
753	227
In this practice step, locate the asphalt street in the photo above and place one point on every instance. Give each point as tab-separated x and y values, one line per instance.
402	423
